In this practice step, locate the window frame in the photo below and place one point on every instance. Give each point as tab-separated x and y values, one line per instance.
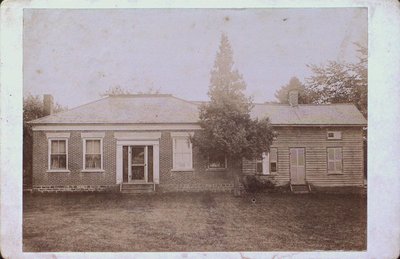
84	169
266	162
337	135
335	172
185	136
92	136
55	170
276	162
217	168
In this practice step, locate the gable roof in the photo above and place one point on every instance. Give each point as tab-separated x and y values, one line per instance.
165	108
310	114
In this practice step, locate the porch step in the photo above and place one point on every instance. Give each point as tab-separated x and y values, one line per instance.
300	188
136	188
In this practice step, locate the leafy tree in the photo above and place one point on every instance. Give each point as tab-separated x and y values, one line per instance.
294	84
32	109
117	90
227	127
341	82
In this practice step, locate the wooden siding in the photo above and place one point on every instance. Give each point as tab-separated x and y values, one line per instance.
315	142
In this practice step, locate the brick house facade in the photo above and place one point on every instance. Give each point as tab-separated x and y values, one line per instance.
141	139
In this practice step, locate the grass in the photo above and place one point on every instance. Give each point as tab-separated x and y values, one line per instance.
194	222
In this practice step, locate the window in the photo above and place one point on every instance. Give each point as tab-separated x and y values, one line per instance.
57	151
182	151
92	151
217	161
58	154
334	135
335	160
268	163
93	154
273	160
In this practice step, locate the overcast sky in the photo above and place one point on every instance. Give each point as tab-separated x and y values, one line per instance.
77	54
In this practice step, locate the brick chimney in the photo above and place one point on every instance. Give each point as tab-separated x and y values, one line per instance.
294	98
47	104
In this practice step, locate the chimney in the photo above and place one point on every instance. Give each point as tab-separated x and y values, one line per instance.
294	98
47	104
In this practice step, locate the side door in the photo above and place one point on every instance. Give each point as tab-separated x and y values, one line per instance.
297	166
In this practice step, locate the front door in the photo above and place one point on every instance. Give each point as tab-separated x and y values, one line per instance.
138	164
297	166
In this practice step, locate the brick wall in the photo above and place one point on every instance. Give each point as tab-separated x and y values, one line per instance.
199	179
41	178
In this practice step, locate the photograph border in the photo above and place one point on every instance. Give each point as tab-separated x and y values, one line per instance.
383	90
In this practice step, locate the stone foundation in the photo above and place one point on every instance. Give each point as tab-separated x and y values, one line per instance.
222	187
76	188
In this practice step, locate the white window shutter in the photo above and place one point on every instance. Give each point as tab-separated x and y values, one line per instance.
265	163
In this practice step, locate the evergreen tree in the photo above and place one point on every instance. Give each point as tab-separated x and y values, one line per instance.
227	127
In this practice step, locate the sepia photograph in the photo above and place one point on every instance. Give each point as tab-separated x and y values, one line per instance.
195	129
204	132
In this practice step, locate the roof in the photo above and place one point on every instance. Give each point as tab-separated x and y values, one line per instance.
141	108
310	114
163	108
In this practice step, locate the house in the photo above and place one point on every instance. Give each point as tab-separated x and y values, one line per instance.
133	142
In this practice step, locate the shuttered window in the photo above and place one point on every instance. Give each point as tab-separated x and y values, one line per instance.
335	160
182	155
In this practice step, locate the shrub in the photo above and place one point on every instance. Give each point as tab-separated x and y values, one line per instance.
252	184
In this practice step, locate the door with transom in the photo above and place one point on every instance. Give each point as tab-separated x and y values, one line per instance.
297	166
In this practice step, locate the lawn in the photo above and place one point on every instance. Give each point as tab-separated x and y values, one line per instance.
194	222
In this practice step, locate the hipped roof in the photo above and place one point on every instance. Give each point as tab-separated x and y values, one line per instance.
163	108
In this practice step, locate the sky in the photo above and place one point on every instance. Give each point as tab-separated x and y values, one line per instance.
77	54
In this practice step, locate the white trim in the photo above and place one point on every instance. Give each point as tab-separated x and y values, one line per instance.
58	135
146	163
58	171
84	139
181	126
156	157
92	171
116	127
266	163
181	135
119	166
189	170
129	163
93	134
137	135
137	142
49	154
